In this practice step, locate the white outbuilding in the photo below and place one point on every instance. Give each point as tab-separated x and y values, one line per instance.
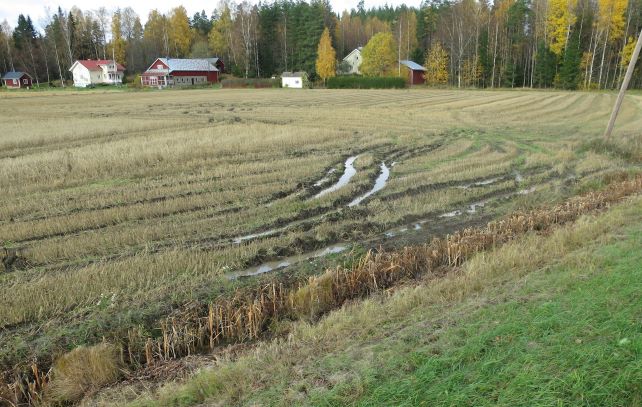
294	79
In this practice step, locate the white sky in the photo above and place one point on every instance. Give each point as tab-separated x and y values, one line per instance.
10	9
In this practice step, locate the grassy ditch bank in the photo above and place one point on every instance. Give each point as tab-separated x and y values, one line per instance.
547	319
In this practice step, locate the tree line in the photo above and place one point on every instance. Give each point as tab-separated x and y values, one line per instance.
567	44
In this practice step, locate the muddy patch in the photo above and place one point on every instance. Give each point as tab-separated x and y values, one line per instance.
380	183
252	236
325	179
286	262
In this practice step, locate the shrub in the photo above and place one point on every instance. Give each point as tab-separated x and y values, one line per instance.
366	82
254	83
84	369
134	83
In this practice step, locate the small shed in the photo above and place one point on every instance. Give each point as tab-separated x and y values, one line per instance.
16	80
417	73
294	79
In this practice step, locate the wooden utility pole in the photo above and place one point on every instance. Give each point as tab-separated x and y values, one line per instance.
625	85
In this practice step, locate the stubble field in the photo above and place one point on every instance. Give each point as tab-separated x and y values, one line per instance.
118	207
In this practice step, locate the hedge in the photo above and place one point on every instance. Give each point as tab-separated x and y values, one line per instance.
365	82
250	83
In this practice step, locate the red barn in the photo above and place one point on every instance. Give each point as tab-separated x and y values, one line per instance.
416	75
182	72
16	80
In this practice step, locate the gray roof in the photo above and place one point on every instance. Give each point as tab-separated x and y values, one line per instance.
15	75
201	64
293	75
412	65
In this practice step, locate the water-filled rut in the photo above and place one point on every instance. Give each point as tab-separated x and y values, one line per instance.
380	183
348	173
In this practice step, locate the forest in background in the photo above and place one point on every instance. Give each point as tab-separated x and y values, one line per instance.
570	44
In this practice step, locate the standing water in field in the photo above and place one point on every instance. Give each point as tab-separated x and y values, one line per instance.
242	239
325	179
378	186
287	262
349	172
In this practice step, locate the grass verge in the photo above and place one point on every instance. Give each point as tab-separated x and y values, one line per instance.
543	320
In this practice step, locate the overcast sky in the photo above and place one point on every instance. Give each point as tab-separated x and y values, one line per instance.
10	9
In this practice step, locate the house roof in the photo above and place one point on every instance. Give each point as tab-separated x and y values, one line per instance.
15	75
293	74
412	65
358	49
202	64
95	64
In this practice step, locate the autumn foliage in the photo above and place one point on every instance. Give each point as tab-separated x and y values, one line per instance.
379	55
326	57
437	66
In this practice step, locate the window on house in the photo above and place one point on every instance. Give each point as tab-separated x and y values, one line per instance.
160	66
15	81
25	81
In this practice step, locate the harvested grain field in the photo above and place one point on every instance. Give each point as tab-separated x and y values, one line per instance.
118	207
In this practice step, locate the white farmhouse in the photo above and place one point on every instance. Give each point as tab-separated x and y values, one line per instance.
352	61
293	80
88	72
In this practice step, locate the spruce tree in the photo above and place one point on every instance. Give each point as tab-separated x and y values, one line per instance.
545	66
570	70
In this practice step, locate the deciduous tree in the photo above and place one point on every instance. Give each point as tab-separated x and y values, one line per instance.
180	34
380	55
437	65
326	57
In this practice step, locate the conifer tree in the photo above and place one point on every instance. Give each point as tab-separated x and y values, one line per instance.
569	75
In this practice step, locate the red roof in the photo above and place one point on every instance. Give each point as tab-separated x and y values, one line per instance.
94	64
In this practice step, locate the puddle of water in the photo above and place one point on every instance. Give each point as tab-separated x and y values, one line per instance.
450	214
242	239
348	173
380	183
518	177
284	263
472	208
526	191
417	226
325	179
480	183
321	182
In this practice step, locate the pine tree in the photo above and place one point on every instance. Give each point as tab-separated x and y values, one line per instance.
379	55
326	57
569	75
437	65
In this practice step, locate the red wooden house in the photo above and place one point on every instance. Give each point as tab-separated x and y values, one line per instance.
16	80
182	72
416	72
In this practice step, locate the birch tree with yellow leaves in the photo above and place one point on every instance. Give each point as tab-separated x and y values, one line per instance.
326	63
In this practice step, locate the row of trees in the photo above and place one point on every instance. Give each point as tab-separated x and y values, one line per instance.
509	43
